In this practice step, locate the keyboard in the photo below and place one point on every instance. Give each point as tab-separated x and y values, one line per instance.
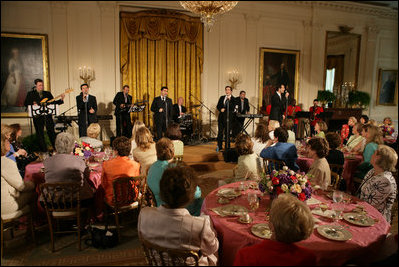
75	118
252	116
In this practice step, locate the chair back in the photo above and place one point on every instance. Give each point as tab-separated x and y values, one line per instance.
148	198
61	197
270	164
126	190
336	176
159	256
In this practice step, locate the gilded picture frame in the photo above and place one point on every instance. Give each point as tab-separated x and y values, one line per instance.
24	58
387	88
277	66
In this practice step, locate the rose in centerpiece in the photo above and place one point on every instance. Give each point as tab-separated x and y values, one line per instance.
83	149
286	181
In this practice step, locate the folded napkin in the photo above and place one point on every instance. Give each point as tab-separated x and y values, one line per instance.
312	201
327	213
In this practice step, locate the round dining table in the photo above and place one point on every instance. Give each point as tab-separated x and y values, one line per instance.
233	235
350	164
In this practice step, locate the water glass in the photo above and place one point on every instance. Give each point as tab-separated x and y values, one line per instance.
337	196
253	201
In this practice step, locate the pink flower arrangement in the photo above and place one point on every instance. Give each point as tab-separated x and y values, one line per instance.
83	149
286	181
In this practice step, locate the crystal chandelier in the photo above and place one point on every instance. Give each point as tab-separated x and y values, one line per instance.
208	10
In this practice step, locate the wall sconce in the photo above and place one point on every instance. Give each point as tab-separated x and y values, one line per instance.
234	78
86	74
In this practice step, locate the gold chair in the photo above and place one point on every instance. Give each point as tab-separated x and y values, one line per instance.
270	164
336	175
9	222
159	256
148	198
62	201
126	197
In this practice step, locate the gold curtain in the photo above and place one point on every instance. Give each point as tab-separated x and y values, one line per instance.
161	48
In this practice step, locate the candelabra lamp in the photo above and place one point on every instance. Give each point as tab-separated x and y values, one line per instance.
234	78
86	74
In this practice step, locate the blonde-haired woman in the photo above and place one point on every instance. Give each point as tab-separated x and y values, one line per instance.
374	138
320	128
137	125
145	153
379	187
355	141
347	129
273	125
93	131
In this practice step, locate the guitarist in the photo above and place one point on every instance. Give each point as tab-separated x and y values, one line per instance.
35	97
122	102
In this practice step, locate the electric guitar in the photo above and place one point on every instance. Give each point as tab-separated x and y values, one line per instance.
45	100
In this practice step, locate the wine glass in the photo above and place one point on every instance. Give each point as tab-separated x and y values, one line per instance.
337	196
253	201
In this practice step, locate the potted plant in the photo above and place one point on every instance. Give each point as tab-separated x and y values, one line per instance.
359	99
325	96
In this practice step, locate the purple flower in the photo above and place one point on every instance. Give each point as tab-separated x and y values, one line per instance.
87	153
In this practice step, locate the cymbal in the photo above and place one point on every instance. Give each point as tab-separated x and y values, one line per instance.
195	106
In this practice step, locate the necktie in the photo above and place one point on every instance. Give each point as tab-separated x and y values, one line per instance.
125	98
242	106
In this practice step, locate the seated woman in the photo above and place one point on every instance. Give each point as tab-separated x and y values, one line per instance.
165	153
93	131
387	127
379	187
145	152
16	194
137	125
282	150
290	221
355	141
364	119
120	166
260	138
319	172
248	165
374	138
64	167
320	129
334	155
12	153
271	127
173	133
15	141
288	124
347	129
157	225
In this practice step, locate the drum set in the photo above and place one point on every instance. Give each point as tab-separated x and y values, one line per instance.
188	123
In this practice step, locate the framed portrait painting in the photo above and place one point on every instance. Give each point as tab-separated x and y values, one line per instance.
387	90
24	58
277	67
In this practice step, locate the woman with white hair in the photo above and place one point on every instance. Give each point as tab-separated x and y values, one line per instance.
379	187
93	131
64	167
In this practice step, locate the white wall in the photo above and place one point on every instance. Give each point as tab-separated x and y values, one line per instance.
87	33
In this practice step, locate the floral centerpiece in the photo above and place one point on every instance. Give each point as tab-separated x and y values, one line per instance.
83	149
387	129
286	181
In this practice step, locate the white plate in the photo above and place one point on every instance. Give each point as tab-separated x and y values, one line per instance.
359	219
334	232
233	210
261	230
228	192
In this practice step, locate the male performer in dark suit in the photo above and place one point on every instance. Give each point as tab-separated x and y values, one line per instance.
33	98
279	102
178	110
242	106
122	102
87	109
162	108
225	105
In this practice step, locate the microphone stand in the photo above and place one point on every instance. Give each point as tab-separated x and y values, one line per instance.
210	114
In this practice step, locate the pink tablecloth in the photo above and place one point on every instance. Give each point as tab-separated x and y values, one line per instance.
233	235
34	173
350	166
